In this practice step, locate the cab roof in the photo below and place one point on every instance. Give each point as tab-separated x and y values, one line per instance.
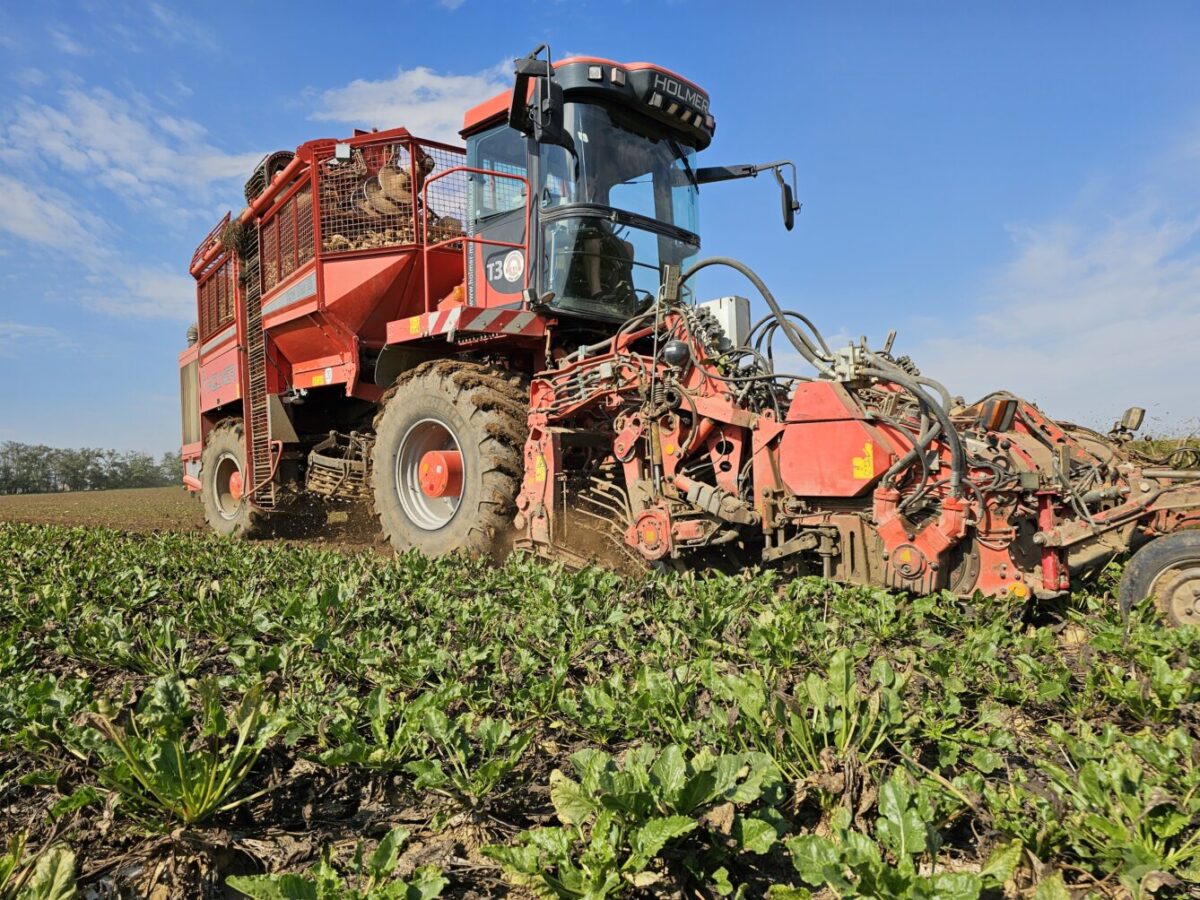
492	111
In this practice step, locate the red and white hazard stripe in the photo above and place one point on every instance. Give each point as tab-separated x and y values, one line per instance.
467	319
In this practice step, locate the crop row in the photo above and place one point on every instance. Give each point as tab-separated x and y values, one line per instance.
457	727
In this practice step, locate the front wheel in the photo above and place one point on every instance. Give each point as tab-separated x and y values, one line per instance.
1167	569
446	465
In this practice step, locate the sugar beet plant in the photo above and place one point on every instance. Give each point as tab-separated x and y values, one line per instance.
265	717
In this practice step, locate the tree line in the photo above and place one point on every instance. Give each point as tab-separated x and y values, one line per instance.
38	469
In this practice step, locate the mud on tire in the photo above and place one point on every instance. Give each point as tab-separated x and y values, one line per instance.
448	405
226	510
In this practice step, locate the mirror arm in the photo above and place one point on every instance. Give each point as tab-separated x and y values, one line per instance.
713	174
746	170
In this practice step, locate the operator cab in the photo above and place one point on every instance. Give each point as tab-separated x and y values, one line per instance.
608	152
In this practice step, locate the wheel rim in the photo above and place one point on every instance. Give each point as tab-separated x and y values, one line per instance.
227	486
428	513
1177	592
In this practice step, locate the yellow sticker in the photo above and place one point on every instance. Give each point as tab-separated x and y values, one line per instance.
318	380
414	325
906	555
864	466
539	469
669	449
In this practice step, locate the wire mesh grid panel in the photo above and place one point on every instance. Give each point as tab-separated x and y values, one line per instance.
304	225
287	239
445	195
216	294
269	257
367	200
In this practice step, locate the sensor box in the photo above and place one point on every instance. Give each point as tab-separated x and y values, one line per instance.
733	314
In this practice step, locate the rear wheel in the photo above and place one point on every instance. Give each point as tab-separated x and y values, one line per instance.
1168	569
223	484
447	460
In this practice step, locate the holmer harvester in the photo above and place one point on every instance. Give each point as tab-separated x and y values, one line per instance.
501	346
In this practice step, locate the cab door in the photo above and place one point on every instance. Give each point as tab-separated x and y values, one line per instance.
498	210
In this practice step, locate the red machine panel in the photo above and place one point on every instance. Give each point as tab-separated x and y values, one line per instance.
828	449
219	378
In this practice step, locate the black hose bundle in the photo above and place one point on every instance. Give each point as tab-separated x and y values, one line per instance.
816	352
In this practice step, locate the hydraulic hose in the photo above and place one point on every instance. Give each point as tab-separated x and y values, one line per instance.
947	400
812	355
923	440
820	361
958	455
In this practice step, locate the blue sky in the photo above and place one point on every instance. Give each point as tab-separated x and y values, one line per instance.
1013	186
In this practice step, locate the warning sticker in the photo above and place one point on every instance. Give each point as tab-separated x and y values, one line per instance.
863	467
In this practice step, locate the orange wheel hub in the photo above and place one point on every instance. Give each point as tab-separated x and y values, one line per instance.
235	485
441	473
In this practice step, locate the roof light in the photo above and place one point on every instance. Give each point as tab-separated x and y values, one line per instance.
672	109
595	73
687	115
710	122
656	101
618	76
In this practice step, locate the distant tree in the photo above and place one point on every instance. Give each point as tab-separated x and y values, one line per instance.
171	466
38	469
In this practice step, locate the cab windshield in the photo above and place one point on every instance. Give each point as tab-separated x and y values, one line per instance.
641	171
616	207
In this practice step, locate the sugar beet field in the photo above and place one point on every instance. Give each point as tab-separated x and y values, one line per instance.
182	716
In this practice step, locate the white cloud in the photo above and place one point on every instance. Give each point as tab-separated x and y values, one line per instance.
87	139
15	337
151	292
65	43
30	77
48	218
425	102
1089	317
176	27
126	146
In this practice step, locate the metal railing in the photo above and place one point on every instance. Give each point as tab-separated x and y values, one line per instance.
464	241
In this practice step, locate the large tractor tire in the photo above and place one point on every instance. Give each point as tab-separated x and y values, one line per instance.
223	483
447	467
1167	569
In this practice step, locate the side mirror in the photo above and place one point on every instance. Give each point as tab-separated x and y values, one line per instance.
1130	421
526	68
543	118
1132	418
548	125
787	194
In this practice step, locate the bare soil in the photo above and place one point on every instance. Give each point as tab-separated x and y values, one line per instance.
172	509
132	509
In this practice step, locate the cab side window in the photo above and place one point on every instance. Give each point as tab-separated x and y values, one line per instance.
501	150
